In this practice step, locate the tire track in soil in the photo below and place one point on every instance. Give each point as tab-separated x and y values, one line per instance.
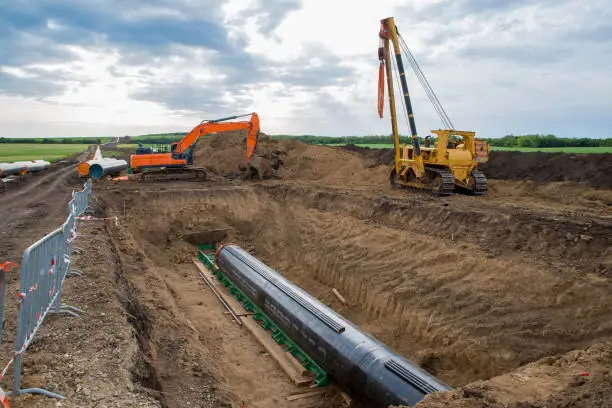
34	209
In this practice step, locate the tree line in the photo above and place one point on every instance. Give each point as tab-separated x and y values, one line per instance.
547	141
506	141
57	140
535	140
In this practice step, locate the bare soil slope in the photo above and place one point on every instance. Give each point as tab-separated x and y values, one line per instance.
590	169
505	296
223	153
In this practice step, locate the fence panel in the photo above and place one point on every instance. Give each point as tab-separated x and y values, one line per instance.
44	268
81	198
4	268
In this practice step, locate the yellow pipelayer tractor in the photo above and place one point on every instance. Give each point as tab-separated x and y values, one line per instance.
453	161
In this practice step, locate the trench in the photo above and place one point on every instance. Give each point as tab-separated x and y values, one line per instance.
464	306
143	372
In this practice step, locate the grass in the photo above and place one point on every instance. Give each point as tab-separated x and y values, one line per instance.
35	151
601	149
372	145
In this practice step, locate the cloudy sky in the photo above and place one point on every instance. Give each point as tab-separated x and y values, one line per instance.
116	67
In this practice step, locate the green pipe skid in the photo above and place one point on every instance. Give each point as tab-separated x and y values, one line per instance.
207	256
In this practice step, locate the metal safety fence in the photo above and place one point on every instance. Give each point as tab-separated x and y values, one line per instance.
44	267
80	199
4	268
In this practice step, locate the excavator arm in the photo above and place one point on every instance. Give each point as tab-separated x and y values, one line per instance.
180	157
219	125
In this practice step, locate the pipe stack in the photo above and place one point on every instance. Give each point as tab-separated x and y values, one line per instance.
35	165
107	165
11	169
23	167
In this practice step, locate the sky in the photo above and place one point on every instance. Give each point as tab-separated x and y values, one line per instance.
126	67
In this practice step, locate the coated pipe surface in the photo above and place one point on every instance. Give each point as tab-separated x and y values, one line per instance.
108	166
356	361
36	165
8	169
83	167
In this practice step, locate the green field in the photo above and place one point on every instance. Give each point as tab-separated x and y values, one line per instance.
35	151
598	149
601	149
372	145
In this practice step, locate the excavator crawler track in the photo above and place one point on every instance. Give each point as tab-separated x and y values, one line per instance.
443	183
480	186
172	174
447	186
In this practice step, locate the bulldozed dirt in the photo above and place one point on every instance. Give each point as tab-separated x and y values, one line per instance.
505	296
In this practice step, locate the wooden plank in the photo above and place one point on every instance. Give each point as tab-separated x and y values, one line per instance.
347	399
306	394
294	370
339	296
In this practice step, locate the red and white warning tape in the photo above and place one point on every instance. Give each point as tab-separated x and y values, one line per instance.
4	399
7	265
39	316
91	218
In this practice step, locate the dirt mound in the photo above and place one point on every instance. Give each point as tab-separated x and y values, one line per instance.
224	153
580	378
592	169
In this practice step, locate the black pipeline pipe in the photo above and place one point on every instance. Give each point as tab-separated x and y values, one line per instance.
359	363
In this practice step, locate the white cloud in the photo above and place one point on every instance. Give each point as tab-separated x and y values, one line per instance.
502	68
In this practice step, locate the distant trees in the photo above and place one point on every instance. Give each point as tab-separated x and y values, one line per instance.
547	141
56	140
506	141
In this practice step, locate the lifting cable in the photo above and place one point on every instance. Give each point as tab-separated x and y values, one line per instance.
431	95
426	86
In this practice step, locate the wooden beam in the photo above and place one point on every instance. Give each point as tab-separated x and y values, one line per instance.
339	296
306	394
292	367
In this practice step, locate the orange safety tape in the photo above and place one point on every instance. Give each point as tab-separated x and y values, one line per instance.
7	265
4	399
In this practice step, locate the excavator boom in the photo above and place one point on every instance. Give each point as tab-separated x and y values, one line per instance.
219	125
181	156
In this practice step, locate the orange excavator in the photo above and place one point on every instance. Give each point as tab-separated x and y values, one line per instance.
178	164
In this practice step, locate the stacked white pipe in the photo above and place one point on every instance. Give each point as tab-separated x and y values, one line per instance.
100	166
22	167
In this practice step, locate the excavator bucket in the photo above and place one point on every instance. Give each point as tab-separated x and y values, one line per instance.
259	167
205	237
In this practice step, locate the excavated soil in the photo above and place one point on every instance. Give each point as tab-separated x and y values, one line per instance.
589	169
505	296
